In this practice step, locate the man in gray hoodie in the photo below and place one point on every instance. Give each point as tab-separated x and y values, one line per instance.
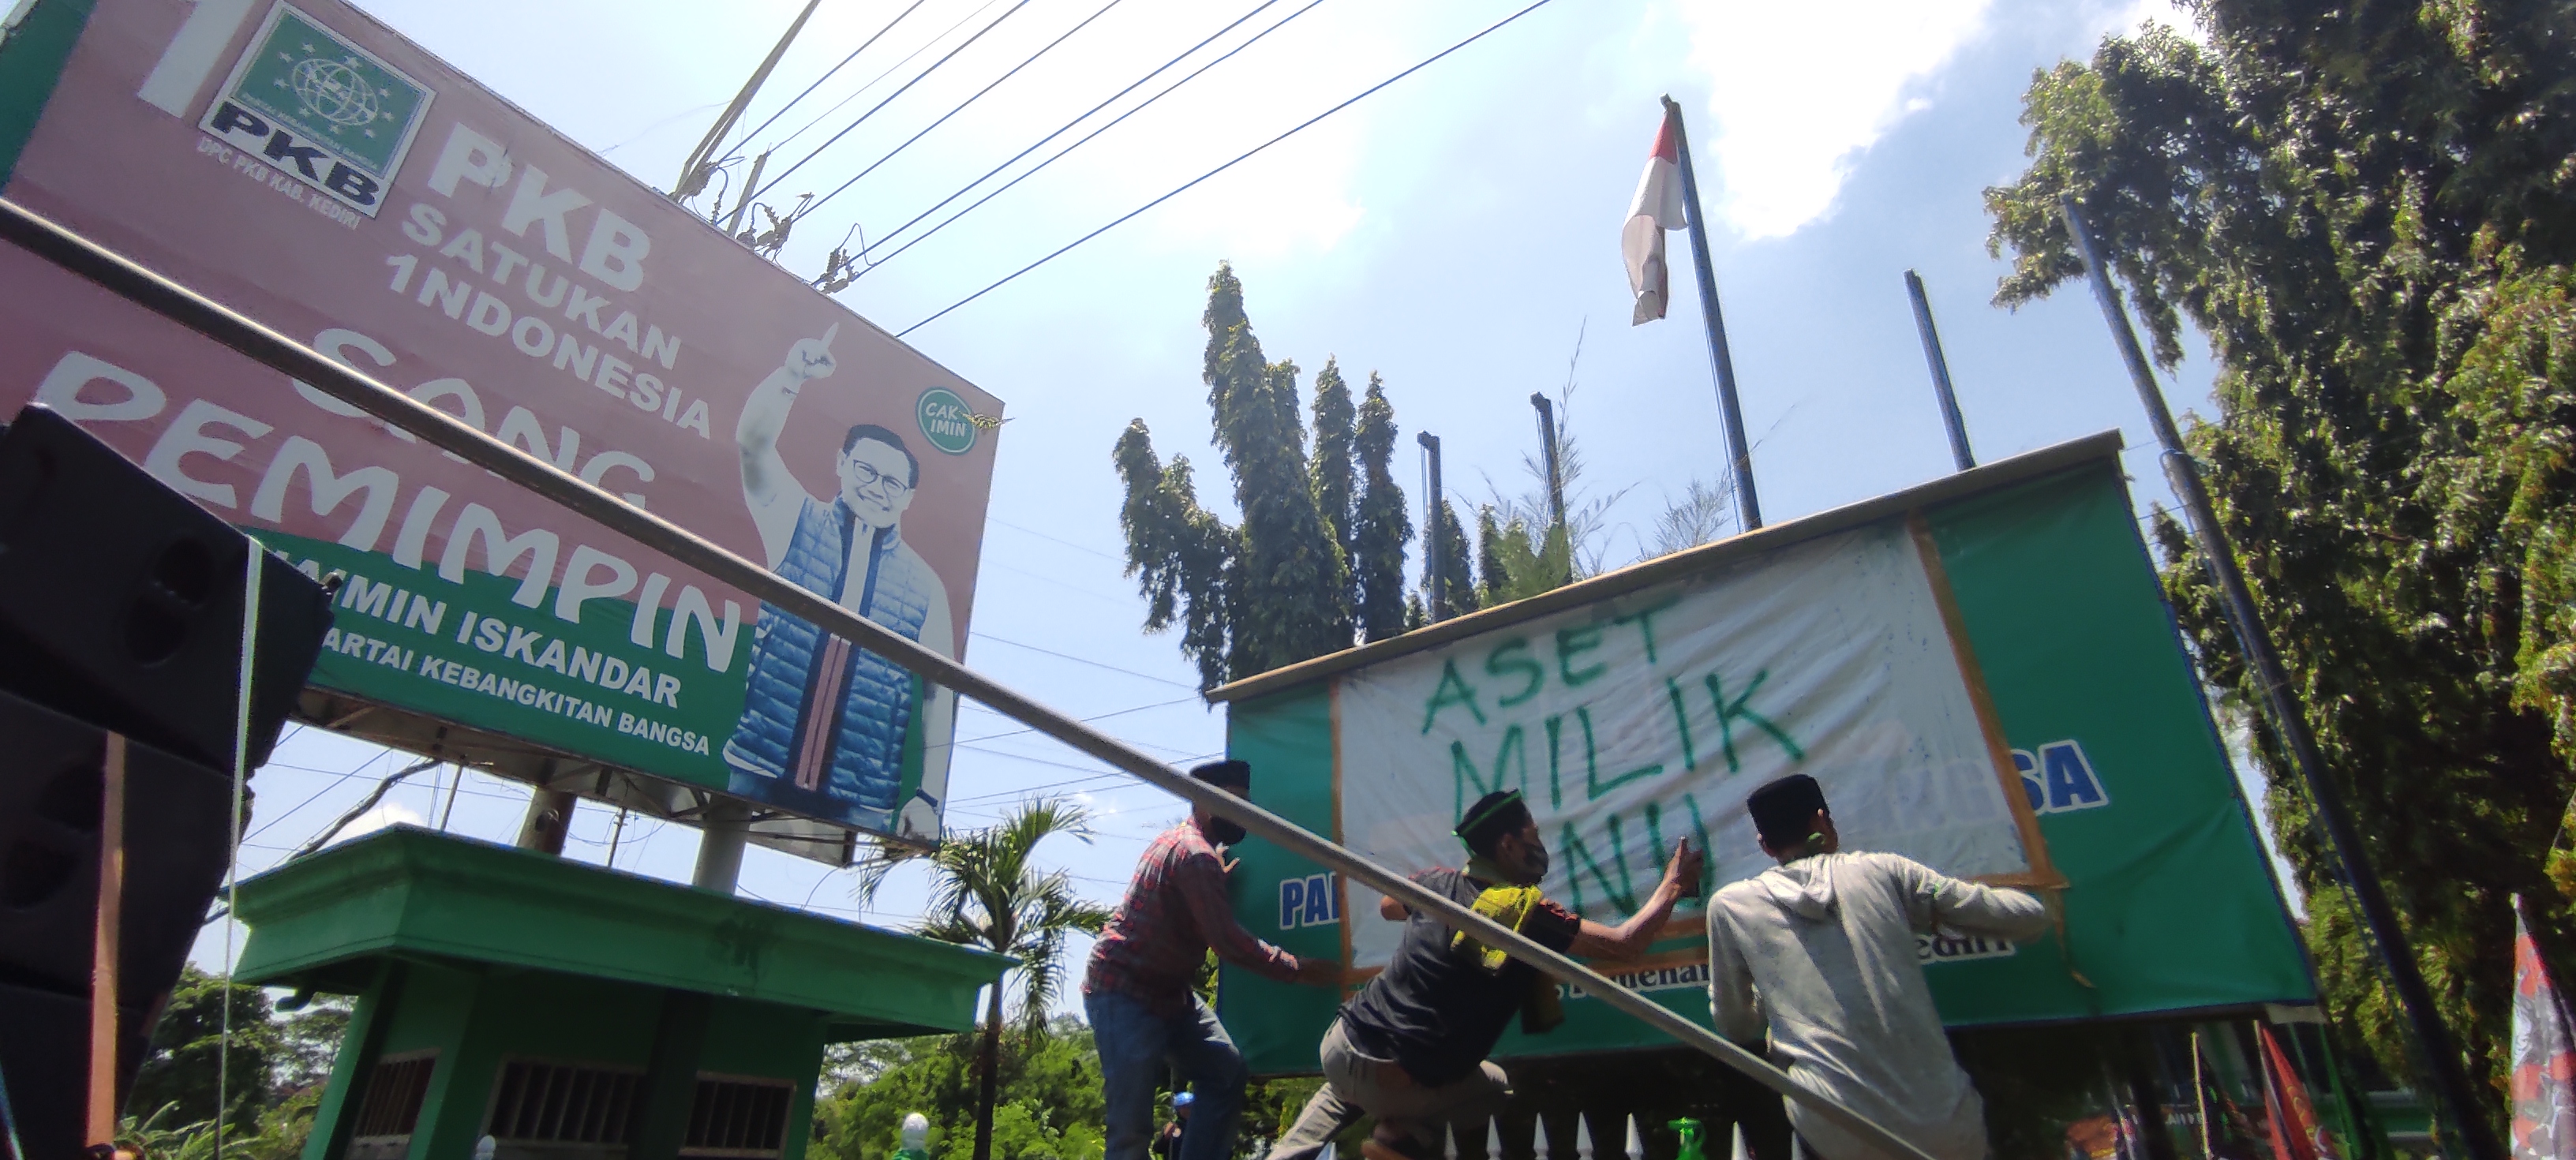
1819	950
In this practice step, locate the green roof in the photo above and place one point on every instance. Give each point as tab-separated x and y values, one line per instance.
321	922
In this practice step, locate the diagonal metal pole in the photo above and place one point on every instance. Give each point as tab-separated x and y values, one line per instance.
177	303
2450	1078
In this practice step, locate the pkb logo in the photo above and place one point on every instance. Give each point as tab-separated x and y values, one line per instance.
334	115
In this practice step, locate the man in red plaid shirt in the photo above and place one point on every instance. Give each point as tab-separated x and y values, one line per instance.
1145	1013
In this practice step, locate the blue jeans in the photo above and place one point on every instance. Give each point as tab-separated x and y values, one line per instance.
1136	1045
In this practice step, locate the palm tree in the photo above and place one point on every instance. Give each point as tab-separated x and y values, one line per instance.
987	891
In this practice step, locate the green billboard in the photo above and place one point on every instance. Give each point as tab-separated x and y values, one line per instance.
1981	671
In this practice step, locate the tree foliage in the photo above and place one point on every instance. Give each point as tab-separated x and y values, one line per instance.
278	1062
2369	215
1320	545
987	891
1380	525
1049	1098
1450	556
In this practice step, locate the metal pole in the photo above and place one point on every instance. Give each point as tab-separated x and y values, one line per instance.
725	826
733	225
1950	419
2442	1056
1431	559
447	433
693	172
1740	457
1547	441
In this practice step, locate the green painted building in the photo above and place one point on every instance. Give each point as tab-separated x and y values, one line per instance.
568	1011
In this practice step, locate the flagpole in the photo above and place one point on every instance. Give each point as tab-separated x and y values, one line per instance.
1740	458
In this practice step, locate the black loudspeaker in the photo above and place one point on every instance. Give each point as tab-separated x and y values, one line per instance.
121	600
44	1050
52	778
120	610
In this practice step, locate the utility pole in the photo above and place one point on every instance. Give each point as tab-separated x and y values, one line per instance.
701	163
2450	1079
1721	359
1431	520
1940	363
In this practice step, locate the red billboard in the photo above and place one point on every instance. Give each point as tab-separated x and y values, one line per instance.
303	164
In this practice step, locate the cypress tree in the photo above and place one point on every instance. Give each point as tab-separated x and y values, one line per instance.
1335	475
1280	586
1380	525
1289	569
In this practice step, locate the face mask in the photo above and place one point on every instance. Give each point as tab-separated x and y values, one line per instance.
1221	831
1534	863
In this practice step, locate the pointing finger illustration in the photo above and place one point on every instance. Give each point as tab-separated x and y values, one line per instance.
828	332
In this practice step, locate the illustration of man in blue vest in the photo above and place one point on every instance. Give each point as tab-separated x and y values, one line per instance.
826	727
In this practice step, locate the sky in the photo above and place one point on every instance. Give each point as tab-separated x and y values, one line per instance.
1456	232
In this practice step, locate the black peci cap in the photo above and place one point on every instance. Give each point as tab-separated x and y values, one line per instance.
1225	774
1783	809
1494	815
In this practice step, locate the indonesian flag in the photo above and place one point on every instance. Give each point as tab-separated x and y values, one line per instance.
1658	207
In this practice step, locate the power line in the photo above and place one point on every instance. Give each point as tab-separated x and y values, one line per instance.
1086	113
1094	717
1086	138
1239	159
1043	535
1088	661
889	70
845	61
961	107
890	97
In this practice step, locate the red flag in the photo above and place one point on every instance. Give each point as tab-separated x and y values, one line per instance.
2544	1058
2296	1134
1656	208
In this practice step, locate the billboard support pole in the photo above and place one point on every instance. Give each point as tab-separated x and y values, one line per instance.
1435	579
1951	421
720	842
2450	1078
121	276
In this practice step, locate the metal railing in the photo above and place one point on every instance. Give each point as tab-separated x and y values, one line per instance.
124	277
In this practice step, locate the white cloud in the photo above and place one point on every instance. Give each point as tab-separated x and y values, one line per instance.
1798	91
383	815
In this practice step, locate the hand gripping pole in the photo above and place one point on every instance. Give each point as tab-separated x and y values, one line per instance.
198	313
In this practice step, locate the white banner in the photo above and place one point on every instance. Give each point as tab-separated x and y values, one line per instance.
1639	721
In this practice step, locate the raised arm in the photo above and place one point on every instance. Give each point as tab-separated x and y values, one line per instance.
1934	899
764	415
1631	938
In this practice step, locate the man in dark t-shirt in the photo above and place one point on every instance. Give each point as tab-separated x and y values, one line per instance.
1410	1048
